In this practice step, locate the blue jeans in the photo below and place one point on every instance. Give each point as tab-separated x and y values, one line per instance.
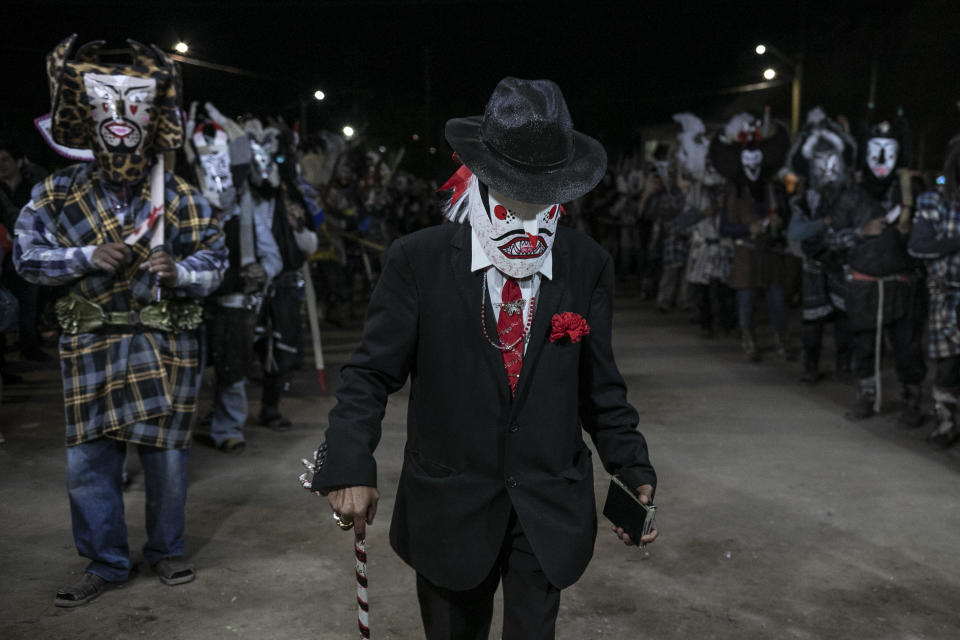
230	411
775	302
95	487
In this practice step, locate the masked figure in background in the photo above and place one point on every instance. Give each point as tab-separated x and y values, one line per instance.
278	198
219	151
344	208
137	247
672	220
883	283
935	238
317	160
708	267
749	153
824	155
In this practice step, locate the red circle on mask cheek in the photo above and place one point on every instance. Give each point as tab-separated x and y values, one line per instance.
500	211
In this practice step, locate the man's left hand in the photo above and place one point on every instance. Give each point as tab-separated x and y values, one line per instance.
163	266
645	492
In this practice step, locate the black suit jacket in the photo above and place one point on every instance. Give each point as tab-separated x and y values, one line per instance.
471	451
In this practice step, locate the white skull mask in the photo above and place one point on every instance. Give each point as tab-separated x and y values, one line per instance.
752	161
516	237
882	156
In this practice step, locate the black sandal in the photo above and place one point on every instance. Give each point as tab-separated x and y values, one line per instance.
84	590
174	571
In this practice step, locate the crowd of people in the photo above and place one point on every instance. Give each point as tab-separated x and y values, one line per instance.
833	221
152	263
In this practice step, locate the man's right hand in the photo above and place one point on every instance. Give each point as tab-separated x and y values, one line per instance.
355	504
111	256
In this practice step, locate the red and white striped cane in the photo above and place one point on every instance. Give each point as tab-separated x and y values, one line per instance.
359	545
363	610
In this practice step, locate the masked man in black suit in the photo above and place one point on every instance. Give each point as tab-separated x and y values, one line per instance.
503	326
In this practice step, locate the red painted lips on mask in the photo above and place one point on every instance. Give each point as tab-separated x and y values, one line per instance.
524	248
119	129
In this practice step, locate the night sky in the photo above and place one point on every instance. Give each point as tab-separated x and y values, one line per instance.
393	69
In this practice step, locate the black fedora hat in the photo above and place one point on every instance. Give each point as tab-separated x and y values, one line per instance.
524	145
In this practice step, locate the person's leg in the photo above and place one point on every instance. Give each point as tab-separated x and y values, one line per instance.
812	343
777	303
95	489
864	344
843	339
726	305
530	602
906	335
704	308
946	390
165	484
229	413
747	337
457	615
667	290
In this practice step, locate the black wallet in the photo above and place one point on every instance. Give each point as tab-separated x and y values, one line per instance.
624	509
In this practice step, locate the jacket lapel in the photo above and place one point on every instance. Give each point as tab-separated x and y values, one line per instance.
470	287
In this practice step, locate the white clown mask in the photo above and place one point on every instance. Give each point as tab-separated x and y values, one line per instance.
882	156
121	107
516	236
752	161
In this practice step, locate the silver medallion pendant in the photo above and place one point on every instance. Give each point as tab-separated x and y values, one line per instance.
512	308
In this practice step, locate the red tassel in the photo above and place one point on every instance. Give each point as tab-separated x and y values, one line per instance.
322	380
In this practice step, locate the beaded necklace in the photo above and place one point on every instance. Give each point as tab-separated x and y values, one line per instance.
525	338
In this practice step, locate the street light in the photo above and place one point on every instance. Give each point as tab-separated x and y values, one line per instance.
796	66
181	47
348	132
319	95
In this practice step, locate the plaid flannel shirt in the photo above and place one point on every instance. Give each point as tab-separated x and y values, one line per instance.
943	275
136	385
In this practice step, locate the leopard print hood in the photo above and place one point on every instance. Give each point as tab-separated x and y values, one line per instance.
71	112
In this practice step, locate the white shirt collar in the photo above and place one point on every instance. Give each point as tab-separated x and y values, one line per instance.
479	259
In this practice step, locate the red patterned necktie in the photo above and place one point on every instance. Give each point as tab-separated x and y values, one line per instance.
510	330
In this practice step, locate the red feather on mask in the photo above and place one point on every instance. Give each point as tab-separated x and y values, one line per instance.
459	182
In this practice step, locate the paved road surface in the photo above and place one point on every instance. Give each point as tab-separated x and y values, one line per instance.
778	518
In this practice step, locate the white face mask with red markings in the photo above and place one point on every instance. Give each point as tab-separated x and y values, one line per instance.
516	236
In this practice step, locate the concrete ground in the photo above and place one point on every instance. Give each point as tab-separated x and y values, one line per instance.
778	518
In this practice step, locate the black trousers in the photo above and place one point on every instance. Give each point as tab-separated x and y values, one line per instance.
717	292
530	602
905	335
813	338
948	373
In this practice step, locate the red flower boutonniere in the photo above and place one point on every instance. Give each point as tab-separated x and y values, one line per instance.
568	325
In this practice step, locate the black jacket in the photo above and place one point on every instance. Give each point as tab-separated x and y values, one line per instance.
471	452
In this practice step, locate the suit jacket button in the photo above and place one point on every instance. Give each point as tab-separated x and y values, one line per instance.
514	428
512	482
